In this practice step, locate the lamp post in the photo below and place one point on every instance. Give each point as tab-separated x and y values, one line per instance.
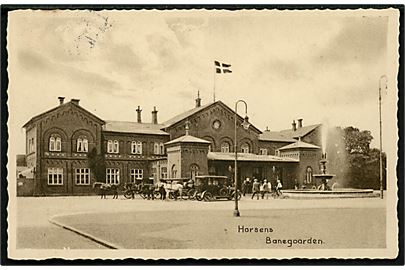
379	109
245	125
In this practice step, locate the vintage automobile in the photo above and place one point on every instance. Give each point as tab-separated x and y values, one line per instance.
211	187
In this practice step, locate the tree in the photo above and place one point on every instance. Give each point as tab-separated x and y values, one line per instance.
97	165
363	162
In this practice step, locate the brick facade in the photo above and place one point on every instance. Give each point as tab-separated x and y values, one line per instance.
58	171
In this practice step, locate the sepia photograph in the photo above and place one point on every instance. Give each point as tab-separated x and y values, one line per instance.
203	133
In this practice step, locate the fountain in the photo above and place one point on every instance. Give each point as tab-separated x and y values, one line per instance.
323	190
324	176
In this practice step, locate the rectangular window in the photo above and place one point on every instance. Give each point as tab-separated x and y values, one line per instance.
55	176
82	176
136	174
263	151
112	176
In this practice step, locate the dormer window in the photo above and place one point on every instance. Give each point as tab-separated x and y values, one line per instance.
82	145
55	143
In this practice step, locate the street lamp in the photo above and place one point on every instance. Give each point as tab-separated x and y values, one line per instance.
245	125
379	107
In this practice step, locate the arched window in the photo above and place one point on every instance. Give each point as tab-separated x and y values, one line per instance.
194	169
116	147
55	143
136	147
112	146
245	148
308	175
82	145
225	147
162	149
174	171
85	145
156	148
52	143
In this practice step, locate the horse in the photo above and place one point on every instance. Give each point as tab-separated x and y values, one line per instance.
174	189
106	188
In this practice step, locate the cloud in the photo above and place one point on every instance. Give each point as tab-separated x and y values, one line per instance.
361	40
35	63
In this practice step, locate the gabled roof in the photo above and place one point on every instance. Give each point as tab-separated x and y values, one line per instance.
300	132
275	137
195	110
133	127
187	139
184	115
299	144
248	157
64	105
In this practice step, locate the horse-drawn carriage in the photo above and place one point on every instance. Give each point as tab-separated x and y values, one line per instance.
210	187
144	187
177	187
106	188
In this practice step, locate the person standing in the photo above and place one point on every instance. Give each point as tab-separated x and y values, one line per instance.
264	188
279	186
162	191
255	188
244	186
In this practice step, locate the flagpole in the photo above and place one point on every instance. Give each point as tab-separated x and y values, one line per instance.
215	72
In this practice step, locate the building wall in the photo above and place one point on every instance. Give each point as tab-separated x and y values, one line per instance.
174	161
194	154
31	157
69	123
314	137
202	126
307	158
272	146
125	140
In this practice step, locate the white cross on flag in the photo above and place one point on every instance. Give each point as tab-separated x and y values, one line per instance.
222	67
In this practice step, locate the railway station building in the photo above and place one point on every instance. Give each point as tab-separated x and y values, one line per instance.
199	141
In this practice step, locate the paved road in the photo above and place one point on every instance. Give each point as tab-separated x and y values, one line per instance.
183	224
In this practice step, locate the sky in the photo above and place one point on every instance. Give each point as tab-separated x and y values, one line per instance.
323	67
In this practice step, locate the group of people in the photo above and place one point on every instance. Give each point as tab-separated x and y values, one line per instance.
261	188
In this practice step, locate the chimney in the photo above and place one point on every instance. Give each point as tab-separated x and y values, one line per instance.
299	123
138	113
61	100
294	126
154	115
75	101
198	100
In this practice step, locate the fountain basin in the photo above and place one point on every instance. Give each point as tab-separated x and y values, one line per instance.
335	193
